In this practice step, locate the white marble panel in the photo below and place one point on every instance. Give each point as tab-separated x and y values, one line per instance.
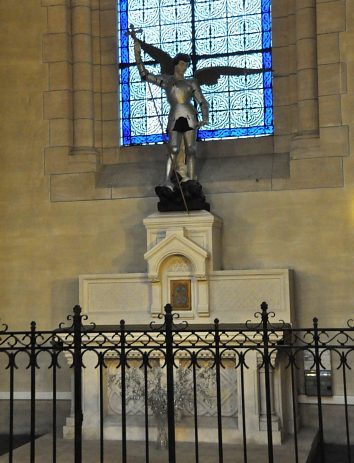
108	298
235	295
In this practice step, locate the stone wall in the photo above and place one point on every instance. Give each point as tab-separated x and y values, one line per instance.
73	202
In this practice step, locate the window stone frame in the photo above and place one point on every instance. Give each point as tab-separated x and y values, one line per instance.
85	162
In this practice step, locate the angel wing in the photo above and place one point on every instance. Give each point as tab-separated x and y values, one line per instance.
205	76
211	75
162	57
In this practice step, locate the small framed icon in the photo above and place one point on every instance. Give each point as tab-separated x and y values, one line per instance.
180	294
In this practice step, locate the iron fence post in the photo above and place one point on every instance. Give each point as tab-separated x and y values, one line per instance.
101	365
316	339
243	407
266	359
123	402
12	366
77	362
33	391
346	414
294	409
146	405
170	385
218	389
195	406
54	403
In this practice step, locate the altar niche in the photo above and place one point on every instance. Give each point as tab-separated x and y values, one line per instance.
182	251
177	284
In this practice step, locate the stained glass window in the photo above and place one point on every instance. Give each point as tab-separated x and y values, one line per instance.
212	32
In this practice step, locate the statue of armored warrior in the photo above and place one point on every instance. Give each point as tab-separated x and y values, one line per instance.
182	120
180	92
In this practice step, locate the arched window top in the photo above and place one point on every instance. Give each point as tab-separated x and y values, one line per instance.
213	32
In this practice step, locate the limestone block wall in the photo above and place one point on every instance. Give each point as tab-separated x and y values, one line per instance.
73	202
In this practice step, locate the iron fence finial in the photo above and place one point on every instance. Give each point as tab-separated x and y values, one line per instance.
168	308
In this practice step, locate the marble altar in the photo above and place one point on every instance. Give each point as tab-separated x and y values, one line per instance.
184	262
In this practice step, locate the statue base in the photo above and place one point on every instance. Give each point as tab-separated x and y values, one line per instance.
171	200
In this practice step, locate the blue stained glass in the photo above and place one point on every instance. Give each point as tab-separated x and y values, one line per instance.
218	102
124	76
268	98
266	25
268	116
224	33
267	40
267	60
266	6
207	10
267	79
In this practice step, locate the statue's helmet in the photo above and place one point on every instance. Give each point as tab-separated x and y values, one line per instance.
181	57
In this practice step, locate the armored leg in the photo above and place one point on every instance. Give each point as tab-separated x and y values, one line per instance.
190	141
173	147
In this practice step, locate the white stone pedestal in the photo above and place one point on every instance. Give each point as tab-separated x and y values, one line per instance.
182	246
184	263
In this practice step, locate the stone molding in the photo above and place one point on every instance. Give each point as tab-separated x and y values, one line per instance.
176	244
199	227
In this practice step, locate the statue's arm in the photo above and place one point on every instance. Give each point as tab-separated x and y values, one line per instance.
144	73
200	99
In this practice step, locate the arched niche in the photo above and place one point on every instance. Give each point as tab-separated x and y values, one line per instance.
177	271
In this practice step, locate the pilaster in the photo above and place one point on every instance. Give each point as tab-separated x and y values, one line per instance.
74	102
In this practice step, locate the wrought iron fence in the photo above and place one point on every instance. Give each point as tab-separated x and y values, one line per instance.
174	375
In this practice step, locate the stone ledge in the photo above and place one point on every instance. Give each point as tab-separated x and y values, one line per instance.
55	2
312	173
246	173
332	142
129	180
76	187
313	167
58	160
217	175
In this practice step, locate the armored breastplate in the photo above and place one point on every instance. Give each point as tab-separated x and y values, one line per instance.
179	92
